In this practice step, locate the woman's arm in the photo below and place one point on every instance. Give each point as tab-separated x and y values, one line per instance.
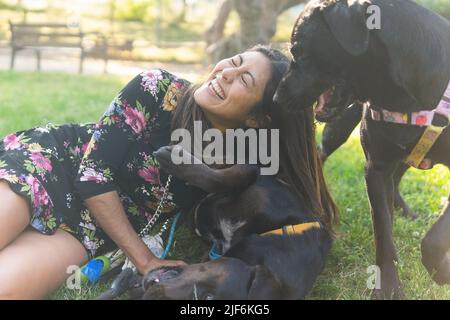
126	122
109	213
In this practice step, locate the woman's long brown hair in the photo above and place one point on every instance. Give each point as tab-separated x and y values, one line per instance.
300	165
188	111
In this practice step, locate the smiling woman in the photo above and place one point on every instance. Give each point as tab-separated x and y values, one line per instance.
71	192
235	86
75	191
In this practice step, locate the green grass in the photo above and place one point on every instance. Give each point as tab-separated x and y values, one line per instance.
345	275
32	99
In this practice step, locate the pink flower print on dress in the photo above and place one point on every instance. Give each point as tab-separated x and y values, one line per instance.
3	173
41	162
76	151
84	147
11	142
150	174
89	244
90	174
135	119
178	84
39	194
150	81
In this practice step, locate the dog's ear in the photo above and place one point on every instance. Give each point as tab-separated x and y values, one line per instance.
347	21
264	286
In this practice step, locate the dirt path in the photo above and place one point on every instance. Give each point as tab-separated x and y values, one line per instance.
67	61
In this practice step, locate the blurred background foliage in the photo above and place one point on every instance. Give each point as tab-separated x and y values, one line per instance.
167	30
440	6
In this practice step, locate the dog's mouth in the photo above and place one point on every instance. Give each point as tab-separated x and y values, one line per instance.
324	100
331	103
160	275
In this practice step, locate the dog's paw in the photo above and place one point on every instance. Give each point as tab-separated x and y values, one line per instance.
410	214
180	163
406	211
389	294
390	286
164	154
171	159
390	290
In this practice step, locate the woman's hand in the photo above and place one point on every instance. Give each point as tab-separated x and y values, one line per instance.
157	263
107	209
110	215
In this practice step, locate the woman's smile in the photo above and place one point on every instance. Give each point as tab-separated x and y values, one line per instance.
216	89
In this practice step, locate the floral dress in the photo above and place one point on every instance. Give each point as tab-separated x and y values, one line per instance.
57	167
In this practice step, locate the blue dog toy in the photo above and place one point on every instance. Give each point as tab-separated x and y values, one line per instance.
214	252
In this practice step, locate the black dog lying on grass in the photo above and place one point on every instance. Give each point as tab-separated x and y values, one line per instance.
401	69
272	246
336	132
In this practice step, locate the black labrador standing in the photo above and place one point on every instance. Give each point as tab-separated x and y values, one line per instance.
241	208
403	67
337	130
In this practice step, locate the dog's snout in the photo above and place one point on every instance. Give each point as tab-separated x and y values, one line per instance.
160	275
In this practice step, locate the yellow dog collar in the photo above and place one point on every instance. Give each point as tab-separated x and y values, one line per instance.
294	229
426	142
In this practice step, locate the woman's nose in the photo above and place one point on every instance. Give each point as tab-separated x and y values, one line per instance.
229	74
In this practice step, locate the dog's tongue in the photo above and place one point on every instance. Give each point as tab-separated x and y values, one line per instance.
323	100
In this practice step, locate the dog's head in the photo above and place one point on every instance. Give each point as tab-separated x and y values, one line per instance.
402	63
226	278
327	34
214	221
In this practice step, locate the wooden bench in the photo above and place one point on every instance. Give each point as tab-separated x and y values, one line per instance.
38	36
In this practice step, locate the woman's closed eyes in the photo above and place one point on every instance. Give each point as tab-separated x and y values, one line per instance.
246	74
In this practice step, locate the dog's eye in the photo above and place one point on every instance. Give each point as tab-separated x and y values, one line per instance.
208	296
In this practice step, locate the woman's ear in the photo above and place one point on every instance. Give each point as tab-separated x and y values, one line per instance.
256	122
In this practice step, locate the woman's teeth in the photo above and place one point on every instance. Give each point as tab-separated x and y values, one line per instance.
217	89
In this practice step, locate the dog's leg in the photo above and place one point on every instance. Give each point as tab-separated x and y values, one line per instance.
336	133
399	202
380	188
435	246
198	174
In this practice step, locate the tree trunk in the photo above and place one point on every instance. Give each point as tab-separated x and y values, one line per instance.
182	16
215	32
258	24
218	47
112	17
250	13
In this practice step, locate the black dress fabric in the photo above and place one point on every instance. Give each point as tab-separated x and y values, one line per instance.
57	167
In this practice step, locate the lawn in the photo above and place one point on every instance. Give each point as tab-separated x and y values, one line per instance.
32	99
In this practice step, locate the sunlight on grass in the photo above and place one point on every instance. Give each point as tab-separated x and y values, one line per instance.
34	99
